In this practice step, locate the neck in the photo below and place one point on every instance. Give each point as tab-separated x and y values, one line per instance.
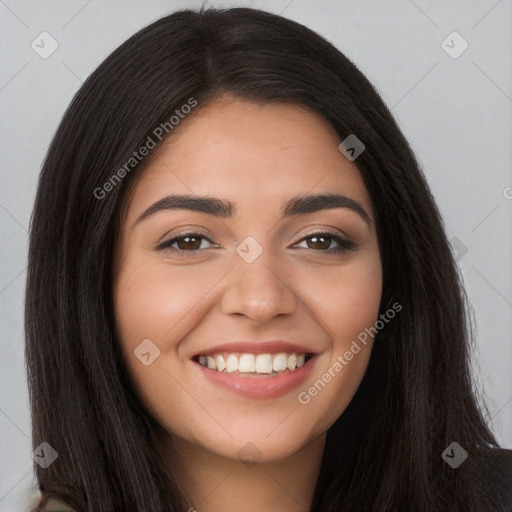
212	483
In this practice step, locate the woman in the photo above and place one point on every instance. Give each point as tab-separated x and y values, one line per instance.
249	299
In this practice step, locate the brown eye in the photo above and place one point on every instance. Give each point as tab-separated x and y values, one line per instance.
322	242
319	242
189	242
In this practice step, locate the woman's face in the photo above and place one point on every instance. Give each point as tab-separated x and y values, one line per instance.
255	285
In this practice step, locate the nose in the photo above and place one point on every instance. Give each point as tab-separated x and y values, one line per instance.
258	290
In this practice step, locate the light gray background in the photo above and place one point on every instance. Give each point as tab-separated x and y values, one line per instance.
456	112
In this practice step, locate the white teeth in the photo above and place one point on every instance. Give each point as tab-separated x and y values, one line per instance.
247	363
221	364
280	362
232	364
263	363
253	363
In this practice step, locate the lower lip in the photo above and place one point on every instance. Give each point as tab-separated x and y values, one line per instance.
259	386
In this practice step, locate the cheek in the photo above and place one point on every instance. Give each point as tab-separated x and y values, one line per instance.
152	302
347	300
143	306
358	303
346	303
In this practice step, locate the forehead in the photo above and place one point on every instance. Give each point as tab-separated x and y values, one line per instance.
251	153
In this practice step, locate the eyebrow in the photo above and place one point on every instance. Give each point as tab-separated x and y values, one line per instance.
297	205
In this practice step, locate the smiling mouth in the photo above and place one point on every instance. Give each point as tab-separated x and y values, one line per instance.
252	365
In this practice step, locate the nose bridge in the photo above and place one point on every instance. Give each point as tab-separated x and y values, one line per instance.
257	288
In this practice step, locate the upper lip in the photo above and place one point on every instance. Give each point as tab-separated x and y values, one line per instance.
256	347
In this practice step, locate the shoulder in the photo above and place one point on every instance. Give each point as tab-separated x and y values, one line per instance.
53	503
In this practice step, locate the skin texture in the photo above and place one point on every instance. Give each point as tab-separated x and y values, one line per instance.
257	156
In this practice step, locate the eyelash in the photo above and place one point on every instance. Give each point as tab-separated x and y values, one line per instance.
343	244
